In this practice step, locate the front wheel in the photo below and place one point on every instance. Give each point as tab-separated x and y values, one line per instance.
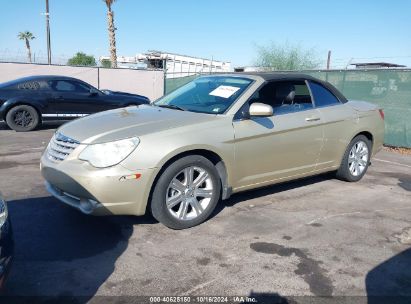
22	118
186	192
356	159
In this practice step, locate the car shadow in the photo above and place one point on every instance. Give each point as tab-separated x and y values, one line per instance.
59	252
264	121
390	281
272	189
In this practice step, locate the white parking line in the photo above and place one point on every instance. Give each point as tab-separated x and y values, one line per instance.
391	162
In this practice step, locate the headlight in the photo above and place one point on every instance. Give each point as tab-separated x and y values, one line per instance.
3	212
109	154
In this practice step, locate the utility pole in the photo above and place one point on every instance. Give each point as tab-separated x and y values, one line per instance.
329	60
48	32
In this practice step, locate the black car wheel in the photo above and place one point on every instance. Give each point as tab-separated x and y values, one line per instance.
22	118
186	192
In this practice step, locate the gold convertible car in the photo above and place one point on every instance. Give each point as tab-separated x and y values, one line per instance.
215	136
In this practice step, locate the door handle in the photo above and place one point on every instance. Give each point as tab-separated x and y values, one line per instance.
312	119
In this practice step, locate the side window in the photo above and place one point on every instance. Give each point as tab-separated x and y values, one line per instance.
62	86
68	86
33	85
322	96
82	88
302	96
285	96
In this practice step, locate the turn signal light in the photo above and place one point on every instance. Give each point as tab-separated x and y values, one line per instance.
382	113
133	176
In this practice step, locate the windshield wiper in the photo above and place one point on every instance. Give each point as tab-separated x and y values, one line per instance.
170	106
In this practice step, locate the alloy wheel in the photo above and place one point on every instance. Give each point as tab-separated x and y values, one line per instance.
189	193
23	118
358	158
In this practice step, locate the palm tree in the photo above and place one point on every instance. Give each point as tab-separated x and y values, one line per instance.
111	33
27	36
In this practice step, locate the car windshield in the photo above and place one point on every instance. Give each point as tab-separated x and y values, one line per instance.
212	95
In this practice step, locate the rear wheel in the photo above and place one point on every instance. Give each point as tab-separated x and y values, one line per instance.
22	118
186	193
356	159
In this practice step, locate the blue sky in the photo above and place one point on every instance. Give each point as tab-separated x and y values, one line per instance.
225	29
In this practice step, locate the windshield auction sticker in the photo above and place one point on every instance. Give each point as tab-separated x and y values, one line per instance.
224	91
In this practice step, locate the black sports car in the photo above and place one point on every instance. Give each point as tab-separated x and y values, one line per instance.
27	102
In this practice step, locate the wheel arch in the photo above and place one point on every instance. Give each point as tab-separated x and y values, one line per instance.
367	134
212	156
11	103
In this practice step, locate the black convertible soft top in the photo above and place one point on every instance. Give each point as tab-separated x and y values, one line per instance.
273	76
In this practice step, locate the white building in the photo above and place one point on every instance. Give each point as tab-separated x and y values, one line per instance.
176	65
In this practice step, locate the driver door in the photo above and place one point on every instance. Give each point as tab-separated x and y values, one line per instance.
72	98
269	149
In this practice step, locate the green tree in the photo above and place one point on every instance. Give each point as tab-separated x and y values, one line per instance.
105	63
286	57
27	36
111	33
81	59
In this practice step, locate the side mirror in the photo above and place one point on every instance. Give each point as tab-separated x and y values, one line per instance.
93	92
261	110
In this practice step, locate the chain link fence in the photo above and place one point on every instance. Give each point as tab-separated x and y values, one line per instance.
388	88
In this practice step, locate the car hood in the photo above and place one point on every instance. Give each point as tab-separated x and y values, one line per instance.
123	94
129	122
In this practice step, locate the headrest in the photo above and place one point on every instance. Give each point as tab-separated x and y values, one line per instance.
285	93
290	98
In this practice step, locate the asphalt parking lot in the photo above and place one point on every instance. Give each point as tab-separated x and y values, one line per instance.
318	236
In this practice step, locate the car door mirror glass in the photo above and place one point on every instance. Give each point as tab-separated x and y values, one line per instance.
261	110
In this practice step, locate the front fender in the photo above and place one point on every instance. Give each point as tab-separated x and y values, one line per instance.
191	148
155	150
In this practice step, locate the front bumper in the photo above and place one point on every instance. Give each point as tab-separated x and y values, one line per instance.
108	191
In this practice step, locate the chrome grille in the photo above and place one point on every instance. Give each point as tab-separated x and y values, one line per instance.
60	147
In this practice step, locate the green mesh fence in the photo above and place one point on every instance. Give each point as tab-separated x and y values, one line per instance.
388	88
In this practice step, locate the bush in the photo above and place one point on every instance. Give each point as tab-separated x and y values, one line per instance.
286	57
81	59
106	63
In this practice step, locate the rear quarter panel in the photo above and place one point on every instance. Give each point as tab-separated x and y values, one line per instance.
342	123
370	120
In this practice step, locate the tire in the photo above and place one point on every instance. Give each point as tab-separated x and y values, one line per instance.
187	205
22	118
356	160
